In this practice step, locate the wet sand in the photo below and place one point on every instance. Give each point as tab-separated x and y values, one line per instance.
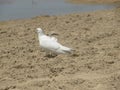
94	1
95	65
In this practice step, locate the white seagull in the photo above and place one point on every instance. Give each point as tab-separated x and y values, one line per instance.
51	43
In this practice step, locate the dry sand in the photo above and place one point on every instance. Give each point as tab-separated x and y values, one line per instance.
94	66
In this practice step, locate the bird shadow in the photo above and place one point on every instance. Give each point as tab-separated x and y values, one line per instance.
50	56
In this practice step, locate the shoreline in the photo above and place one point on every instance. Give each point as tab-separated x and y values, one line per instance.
94	1
62	15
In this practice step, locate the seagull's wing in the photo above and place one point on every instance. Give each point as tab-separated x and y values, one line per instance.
48	43
53	38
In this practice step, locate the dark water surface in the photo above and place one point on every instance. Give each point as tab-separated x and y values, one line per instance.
16	9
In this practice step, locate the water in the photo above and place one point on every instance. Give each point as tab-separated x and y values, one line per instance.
16	9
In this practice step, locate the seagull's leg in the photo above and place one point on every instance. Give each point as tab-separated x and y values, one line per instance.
42	50
47	53
50	54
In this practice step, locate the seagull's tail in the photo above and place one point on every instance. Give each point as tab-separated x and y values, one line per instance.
66	49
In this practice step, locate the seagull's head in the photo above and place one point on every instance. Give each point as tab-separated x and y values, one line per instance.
40	31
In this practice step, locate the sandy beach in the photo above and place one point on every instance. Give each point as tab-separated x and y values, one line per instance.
95	65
